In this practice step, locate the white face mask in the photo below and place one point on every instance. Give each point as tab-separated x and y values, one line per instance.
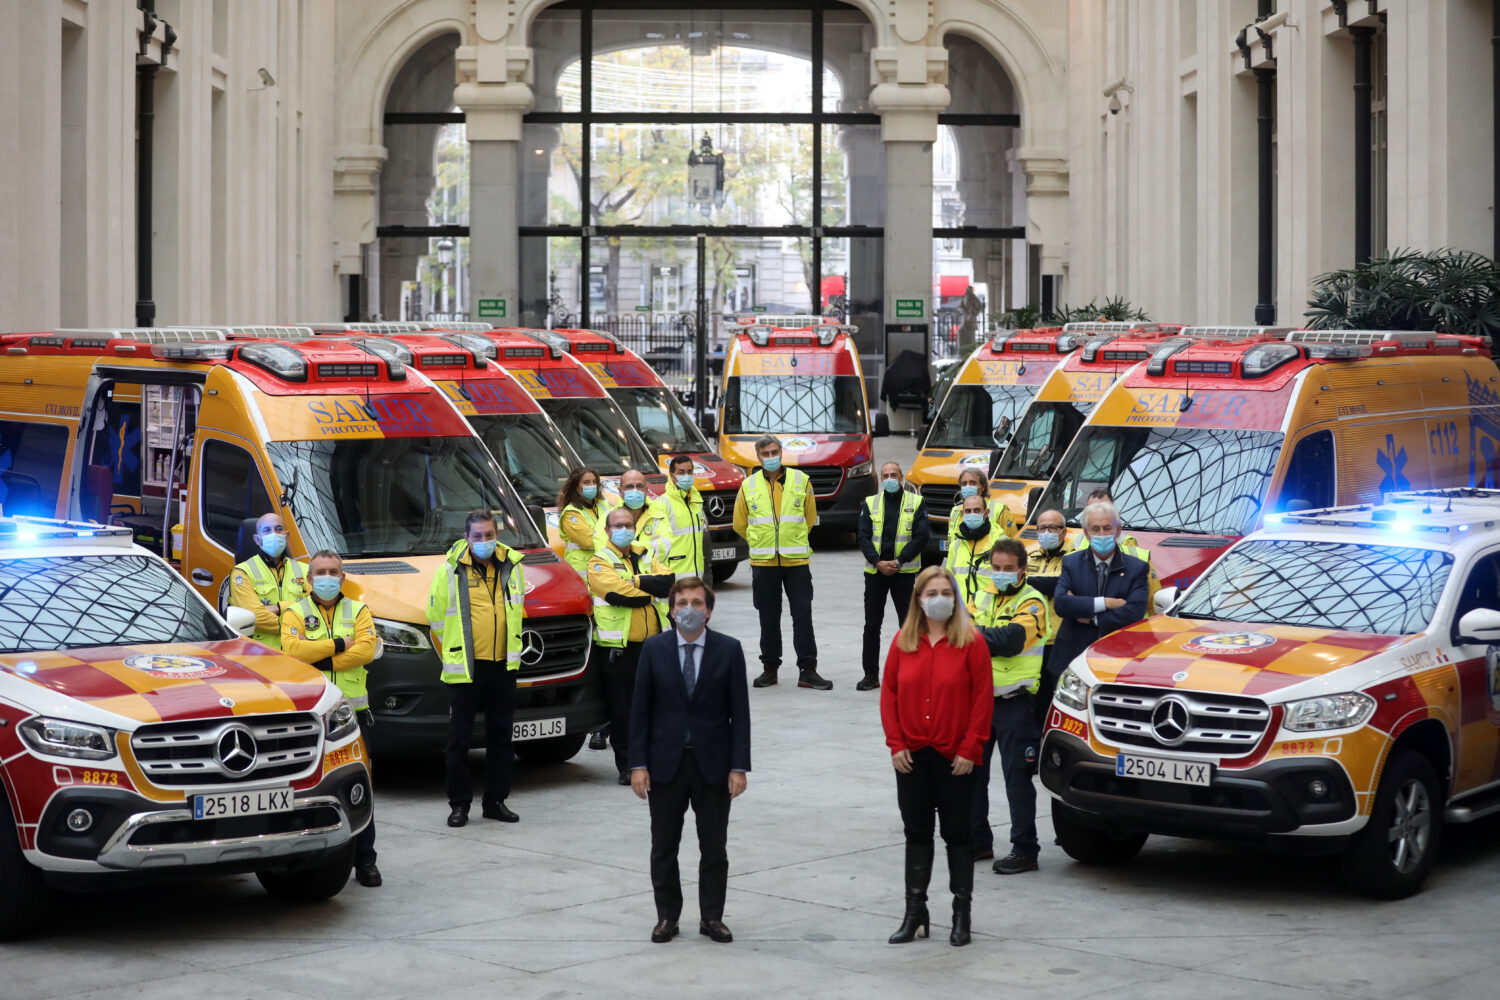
939	607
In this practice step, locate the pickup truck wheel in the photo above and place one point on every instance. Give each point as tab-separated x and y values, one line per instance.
23	891
556	750
1391	856
1090	845
310	885
724	570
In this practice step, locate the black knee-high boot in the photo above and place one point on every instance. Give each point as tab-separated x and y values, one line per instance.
918	874
961	883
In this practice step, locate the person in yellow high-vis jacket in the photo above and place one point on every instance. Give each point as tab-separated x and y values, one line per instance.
629	585
893	531
646	511
969	545
579	508
269	581
774	513
1014	619
475	606
972	482
682	526
336	634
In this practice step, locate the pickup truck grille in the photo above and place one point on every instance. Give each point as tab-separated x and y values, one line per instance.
214	751
1222	725
825	478
940	498
554	645
718	507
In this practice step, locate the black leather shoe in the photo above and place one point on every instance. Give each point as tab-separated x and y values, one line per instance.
811	679
599	740
367	875
458	817
766	679
664	931
867	683
715	930
497	810
1014	864
625	778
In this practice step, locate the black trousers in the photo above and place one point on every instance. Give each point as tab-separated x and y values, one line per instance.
616	666
364	841
669	801
933	787
493	692
877	586
1042	700
766	585
1013	730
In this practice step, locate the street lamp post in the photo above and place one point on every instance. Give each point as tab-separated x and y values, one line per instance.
445	261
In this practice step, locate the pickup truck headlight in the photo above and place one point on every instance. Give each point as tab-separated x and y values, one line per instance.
1072	691
61	738
1332	711
340	721
862	469
400	637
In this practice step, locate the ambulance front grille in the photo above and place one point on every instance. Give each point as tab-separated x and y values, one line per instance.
1222	725
211	751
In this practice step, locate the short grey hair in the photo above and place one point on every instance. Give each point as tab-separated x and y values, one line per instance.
326	554
1099	508
764	440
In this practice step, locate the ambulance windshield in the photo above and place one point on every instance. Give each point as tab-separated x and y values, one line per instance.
1337	586
391	497
1194	480
979	416
599	431
531	452
794	404
1041	439
657	414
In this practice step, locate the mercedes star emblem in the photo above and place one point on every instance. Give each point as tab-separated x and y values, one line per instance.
715	507
1170	720
235	750
532	647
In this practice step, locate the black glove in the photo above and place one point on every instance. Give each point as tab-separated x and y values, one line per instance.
338	645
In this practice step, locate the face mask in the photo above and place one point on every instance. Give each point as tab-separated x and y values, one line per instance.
588	492
273	545
1049	541
482	550
689	619
1004	581
326	587
771	464
634	498
967	490
622	537
685	483
890	486
1102	545
972	521
938	607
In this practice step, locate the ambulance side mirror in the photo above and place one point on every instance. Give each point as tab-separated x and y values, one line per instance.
1165	598
1480	626
709	423
242	620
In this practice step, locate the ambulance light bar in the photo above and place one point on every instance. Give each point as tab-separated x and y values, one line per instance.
373	327
1102	326
556	341
760	334
150	335
18	530
480	345
460	326
1236	332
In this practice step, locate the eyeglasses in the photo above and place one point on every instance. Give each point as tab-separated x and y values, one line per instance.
1050	531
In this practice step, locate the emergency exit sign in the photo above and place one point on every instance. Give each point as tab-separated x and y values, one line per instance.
904	308
492	308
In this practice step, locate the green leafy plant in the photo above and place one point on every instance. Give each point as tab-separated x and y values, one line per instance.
1115	310
1446	290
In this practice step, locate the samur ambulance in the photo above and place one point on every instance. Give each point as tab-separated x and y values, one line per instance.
659	417
1223	426
188	443
141	737
1330	685
802	382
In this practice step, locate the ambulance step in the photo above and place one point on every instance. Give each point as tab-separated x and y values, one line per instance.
1474	807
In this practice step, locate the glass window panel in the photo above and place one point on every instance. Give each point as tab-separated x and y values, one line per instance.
848	39
550	281
551	163
853	176
555	46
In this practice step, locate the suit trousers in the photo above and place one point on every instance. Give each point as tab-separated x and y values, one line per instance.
933	787
493	692
877	586
1013	730
616	666
766	585
669	801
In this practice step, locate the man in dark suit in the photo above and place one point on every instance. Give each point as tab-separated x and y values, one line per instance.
690	745
1100	589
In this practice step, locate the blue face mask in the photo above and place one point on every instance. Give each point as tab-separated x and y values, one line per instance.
967	490
1103	545
685	483
622	537
1049	541
634	498
973	520
326	588
1004	581
588	492
890	486
483	550
273	545
771	464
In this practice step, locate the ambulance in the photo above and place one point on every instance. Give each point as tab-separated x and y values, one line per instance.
659	417
188	443
804	384
1330	685
1224	426
141	737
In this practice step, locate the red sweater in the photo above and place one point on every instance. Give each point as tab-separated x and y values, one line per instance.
938	697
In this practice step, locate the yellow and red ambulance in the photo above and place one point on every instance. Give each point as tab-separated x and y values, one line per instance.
188	443
1223	426
141	737
1330	685
803	384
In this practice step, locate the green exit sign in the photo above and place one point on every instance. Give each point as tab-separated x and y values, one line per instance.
492	308
905	308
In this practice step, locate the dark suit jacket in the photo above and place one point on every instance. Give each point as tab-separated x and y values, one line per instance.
1077	586
716	718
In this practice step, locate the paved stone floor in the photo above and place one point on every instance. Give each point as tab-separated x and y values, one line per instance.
560	905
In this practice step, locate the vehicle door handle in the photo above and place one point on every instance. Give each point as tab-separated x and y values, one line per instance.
203	578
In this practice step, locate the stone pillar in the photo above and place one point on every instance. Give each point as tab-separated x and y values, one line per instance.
356	174
1047	212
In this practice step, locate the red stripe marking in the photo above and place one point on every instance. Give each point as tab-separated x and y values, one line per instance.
1266	681
1389	712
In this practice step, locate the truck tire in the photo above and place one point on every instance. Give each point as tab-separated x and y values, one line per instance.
1390	857
724	570
23	890
556	750
1090	845
310	885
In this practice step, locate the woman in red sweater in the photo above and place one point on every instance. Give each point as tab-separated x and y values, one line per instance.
936	703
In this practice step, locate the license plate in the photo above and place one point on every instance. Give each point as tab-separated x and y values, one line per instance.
1178	772
539	729
720	555
228	804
